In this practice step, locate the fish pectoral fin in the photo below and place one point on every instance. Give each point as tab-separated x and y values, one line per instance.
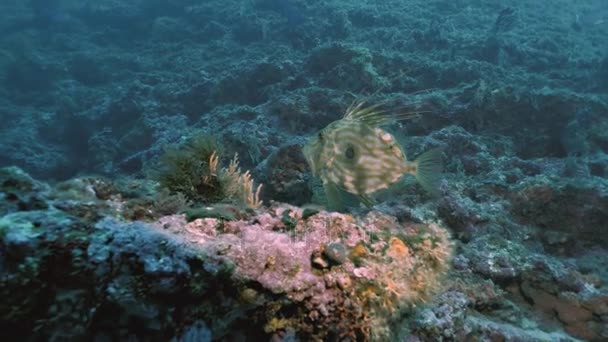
427	169
367	201
338	199
334	200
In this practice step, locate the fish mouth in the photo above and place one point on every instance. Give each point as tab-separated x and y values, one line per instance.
307	151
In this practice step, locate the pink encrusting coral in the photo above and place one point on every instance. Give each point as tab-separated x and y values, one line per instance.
321	273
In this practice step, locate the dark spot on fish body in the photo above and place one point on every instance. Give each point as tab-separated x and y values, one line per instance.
350	152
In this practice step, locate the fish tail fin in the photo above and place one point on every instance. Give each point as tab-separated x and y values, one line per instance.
427	169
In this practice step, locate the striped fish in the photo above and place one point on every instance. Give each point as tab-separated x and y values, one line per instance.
356	156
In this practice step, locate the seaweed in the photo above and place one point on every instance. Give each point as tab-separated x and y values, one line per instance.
194	172
186	170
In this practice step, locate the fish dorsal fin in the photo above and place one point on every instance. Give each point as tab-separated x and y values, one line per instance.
374	115
371	115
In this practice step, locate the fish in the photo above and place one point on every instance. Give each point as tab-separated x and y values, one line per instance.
354	157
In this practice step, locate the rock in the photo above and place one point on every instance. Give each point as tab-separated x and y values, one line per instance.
335	253
285	176
564	206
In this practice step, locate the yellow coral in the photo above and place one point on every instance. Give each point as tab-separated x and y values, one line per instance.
238	186
276	324
397	249
359	251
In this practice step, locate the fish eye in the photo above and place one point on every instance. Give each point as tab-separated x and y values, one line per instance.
320	135
350	152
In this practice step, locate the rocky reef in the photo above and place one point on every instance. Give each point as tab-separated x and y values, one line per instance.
76	268
122	217
92	258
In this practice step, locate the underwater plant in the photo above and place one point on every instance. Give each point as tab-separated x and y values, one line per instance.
237	186
185	170
193	171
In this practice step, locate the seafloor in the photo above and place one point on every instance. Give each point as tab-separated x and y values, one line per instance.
115	224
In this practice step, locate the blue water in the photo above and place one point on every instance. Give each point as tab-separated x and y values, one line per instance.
515	92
